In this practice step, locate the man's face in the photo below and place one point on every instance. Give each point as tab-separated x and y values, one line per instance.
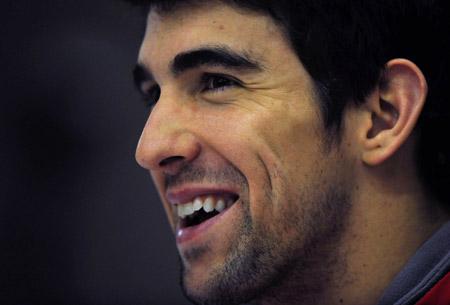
238	128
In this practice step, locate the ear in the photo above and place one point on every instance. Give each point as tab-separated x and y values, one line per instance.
394	111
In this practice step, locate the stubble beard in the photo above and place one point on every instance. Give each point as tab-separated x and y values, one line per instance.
259	268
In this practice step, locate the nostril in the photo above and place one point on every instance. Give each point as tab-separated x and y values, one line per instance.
170	160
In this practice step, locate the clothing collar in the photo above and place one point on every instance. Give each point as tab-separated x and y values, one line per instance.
423	270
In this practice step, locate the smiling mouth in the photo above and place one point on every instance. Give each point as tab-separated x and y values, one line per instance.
203	208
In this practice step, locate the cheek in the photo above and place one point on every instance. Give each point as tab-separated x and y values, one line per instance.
231	132
289	154
272	147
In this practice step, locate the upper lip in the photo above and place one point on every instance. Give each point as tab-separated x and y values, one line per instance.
187	193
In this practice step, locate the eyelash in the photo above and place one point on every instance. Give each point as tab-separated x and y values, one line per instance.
209	82
151	97
225	82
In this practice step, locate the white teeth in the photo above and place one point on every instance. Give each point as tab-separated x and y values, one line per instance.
220	205
198	204
180	209
208	205
188	209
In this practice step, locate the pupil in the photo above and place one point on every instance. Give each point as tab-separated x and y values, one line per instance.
219	82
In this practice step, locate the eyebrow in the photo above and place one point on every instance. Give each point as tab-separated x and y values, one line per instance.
213	56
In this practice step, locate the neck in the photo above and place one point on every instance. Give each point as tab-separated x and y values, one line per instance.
392	217
386	227
381	239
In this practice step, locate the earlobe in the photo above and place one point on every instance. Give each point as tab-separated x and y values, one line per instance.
394	110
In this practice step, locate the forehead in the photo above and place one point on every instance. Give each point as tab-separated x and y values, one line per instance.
169	34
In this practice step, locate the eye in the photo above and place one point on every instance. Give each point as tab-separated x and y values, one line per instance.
217	82
151	96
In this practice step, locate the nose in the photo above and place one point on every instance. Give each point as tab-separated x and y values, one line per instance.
167	143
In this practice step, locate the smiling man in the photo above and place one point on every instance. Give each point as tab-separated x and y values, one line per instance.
290	142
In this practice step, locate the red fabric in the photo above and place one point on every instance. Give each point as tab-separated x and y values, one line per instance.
439	294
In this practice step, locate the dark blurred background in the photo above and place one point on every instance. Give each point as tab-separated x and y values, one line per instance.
80	222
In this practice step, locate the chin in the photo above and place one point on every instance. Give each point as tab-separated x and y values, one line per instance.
214	287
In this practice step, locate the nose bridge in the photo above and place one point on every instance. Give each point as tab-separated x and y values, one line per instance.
167	138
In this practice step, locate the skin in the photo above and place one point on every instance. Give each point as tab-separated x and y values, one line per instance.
311	220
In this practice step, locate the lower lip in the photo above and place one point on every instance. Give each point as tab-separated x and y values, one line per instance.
190	233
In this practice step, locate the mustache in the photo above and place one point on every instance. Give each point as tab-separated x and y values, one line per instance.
197	174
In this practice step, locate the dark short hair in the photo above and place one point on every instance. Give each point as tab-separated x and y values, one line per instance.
345	44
